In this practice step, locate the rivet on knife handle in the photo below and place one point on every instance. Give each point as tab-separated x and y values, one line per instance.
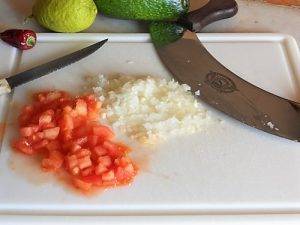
213	11
4	87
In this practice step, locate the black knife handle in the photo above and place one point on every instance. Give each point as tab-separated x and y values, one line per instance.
213	11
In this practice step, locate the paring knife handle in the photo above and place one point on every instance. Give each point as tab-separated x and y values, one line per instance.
4	87
213	11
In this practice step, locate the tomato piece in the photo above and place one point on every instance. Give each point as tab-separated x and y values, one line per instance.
100	151
100	169
113	149
53	95
69	131
108	176
23	145
79	121
88	171
93	179
53	145
81	107
53	162
103	132
74	147
81	131
67	135
92	140
82	153
66	123
52	133
40	145
81	141
45	119
28	131
85	186
105	161
84	162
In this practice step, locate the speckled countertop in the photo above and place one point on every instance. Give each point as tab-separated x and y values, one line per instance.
253	16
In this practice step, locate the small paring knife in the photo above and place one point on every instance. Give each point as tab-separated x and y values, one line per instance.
190	63
7	84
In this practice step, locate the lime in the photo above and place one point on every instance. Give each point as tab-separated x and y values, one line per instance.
65	15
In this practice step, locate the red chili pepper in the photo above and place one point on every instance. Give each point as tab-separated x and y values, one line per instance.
21	39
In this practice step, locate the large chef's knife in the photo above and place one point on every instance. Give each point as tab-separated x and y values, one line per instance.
190	63
7	84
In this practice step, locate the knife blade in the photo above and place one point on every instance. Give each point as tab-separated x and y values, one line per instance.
190	63
6	85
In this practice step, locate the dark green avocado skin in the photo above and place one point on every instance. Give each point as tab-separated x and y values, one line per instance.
163	33
143	9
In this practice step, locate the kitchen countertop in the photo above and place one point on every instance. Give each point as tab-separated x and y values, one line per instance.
254	16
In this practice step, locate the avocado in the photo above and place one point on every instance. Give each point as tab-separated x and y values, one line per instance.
163	33
143	9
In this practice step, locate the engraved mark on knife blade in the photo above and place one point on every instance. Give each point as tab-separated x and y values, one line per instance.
220	82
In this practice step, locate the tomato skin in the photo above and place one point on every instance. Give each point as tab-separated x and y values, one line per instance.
67	131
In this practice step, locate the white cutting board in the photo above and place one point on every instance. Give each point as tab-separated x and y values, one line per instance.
230	169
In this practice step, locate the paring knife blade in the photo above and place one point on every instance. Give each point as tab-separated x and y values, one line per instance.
6	85
190	63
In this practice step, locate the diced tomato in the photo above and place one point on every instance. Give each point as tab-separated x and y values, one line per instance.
80	131
100	169
103	132
120	174
81	107
100	151
81	141
79	121
84	162
28	131
82	153
105	161
113	149
66	123
88	171
54	95
67	135
23	145
81	184
45	119
36	137
53	145
71	161
108	176
52	133
93	179
68	131
74	148
40	145
93	140
93	115
53	162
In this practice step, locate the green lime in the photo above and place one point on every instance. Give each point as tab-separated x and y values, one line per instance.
65	15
